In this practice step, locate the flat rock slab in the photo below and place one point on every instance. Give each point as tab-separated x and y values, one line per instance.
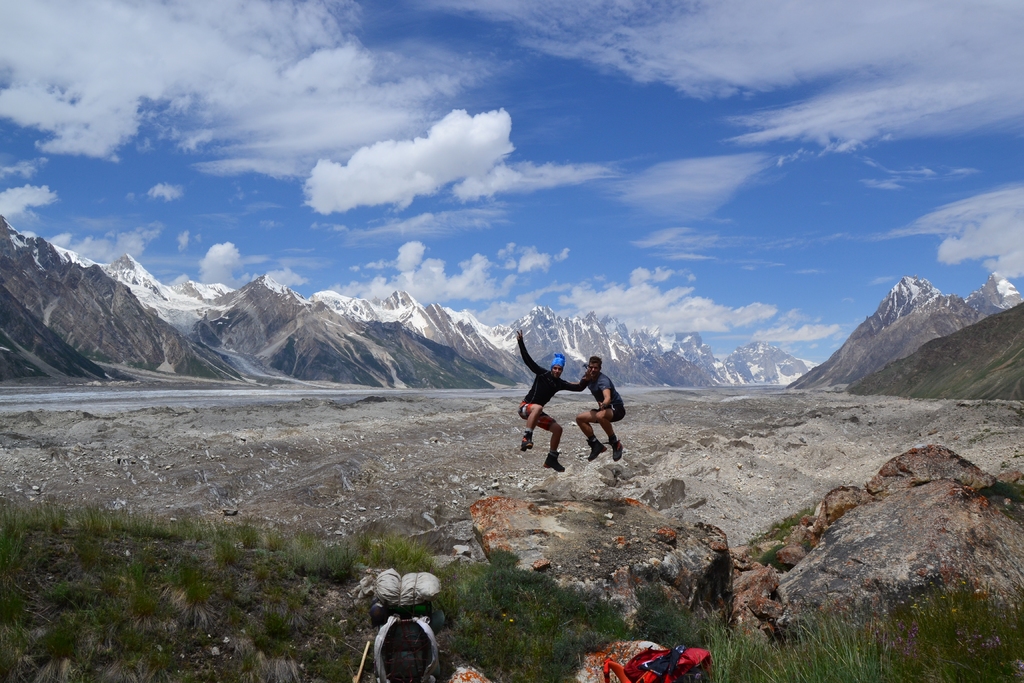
937	535
612	545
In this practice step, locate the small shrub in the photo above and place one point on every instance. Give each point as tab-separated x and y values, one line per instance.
249	536
660	620
402	554
226	553
335	562
11	554
12	605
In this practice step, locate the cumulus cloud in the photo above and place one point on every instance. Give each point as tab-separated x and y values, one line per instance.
987	227
260	85
288	277
17	201
112	245
396	171
689	188
644	304
166	192
907	70
427	280
462	149
526	259
220	264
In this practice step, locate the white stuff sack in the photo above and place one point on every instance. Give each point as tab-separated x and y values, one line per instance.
388	588
419	587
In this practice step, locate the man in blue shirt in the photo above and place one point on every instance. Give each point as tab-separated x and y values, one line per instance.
610	409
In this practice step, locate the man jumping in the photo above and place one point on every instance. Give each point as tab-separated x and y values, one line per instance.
610	409
545	385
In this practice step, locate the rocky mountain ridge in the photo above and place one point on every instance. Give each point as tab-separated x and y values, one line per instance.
911	314
332	337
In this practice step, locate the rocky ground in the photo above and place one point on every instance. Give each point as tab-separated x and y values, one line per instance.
740	460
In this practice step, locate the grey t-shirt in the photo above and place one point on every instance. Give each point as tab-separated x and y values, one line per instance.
598	386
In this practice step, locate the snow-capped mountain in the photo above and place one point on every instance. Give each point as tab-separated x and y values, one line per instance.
96	315
909	294
762	363
266	328
912	313
995	296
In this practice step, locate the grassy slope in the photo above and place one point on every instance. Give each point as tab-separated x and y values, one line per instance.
984	360
90	595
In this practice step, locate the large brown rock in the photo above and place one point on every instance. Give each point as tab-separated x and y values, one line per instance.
921	465
941	534
755	605
610	546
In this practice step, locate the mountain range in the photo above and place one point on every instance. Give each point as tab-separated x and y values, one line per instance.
62	315
914	312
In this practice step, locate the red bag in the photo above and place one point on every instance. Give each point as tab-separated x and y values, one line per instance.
665	666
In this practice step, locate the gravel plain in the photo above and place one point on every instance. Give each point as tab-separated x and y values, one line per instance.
336	463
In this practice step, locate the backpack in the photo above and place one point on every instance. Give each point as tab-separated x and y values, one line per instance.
678	665
405	651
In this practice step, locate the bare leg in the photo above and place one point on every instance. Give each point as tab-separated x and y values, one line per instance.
583	421
556	435
535	411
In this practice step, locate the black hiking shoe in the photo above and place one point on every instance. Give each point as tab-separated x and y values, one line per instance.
617	451
527	442
552	462
596	449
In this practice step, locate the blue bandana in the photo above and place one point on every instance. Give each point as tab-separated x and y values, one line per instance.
559	361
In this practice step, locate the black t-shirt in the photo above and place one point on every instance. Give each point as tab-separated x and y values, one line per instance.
545	385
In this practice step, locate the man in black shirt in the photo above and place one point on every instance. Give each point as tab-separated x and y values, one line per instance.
545	385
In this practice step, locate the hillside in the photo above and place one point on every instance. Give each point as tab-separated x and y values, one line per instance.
984	360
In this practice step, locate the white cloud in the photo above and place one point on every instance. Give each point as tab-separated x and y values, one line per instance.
17	201
220	264
641	275
26	169
905	69
183	240
788	334
427	280
988	226
260	85
690	188
680	244
288	277
882	280
643	304
424	225
396	171
527	177
529	258
111	246
166	192
462	149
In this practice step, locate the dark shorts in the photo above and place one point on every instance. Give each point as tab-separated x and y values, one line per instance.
618	412
544	421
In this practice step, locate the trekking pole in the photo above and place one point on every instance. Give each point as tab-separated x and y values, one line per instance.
359	674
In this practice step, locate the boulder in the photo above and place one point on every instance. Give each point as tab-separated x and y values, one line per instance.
666	494
789	555
611	547
834	505
922	465
467	674
940	534
755	605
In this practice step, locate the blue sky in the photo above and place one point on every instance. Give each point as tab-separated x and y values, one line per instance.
747	169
